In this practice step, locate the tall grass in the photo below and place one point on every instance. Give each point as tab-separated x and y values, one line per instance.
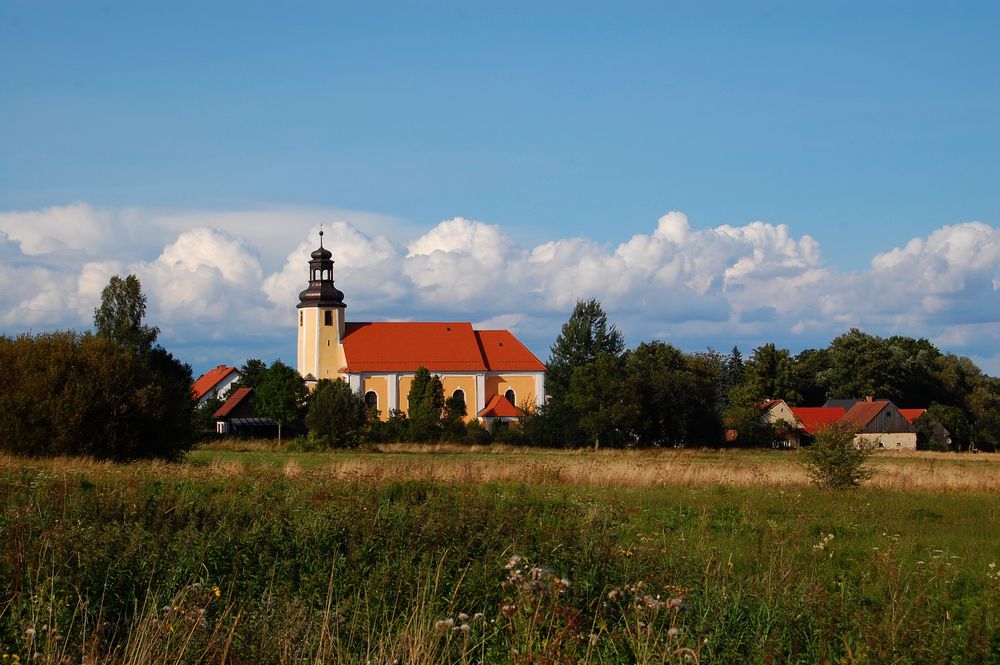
235	561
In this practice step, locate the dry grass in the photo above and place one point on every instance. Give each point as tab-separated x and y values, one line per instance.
451	463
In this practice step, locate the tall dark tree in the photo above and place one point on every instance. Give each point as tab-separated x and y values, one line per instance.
425	403
336	414
120	314
770	375
586	335
251	373
598	393
281	395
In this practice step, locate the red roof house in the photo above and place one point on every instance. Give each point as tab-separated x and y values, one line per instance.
216	382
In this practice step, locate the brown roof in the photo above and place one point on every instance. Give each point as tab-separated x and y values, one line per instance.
209	380
912	414
863	413
440	347
500	407
231	403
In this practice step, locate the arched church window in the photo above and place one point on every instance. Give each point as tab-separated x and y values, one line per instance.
511	397
371	400
459	394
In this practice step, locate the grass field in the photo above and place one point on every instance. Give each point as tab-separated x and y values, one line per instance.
257	555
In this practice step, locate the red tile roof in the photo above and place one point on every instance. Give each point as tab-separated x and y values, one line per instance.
209	380
912	414
863	413
504	353
815	418
232	402
500	407
440	347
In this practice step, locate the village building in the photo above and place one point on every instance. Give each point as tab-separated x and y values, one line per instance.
879	423
216	382
379	359
238	417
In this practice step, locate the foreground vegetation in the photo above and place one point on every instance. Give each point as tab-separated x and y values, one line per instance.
268	557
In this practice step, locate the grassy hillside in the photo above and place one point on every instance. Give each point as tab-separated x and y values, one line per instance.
266	557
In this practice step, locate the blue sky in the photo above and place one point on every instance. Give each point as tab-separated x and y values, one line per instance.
860	125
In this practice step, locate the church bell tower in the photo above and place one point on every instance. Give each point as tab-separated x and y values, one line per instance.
321	321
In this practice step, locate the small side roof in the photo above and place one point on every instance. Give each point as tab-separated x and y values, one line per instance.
210	379
504	353
912	414
863	413
500	407
231	403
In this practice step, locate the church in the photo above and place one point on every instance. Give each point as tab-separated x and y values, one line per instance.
490	370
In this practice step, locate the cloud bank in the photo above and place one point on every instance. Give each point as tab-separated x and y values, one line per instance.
222	286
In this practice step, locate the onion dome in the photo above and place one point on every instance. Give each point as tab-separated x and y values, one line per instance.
321	292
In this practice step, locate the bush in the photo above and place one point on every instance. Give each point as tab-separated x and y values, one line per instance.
835	461
336	415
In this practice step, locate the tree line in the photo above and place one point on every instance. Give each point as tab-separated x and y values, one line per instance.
116	394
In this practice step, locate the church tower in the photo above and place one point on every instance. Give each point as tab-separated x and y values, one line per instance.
321	321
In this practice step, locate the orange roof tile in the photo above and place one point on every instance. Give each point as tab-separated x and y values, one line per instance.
209	380
912	414
232	402
500	407
504	353
815	418
405	346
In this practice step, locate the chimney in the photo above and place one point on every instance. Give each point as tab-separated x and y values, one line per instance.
869	398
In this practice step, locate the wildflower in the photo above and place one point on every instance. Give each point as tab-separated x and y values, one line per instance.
444	624
30	632
674	632
463	617
478	616
508	609
465	628
514	562
216	592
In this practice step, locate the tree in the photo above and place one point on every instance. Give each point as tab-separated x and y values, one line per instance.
119	316
770	374
250	374
281	395
453	422
584	337
336	414
674	395
835	461
598	393
425	402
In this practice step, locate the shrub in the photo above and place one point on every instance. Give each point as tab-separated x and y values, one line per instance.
835	461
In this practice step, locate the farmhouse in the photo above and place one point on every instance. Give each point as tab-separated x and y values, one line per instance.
216	382
237	416
379	359
879	422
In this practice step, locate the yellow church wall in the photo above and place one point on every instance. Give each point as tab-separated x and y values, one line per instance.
403	391
468	386
523	386
380	387
331	352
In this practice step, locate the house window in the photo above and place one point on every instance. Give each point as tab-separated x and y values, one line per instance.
511	397
371	400
328	318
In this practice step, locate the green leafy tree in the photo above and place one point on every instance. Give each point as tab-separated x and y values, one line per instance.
861	365
425	405
120	314
250	374
835	461
598	393
770	375
674	395
336	415
585	336
453	422
281	396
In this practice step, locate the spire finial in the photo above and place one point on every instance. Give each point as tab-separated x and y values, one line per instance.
321	234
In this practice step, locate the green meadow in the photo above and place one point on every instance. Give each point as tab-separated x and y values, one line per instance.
259	555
